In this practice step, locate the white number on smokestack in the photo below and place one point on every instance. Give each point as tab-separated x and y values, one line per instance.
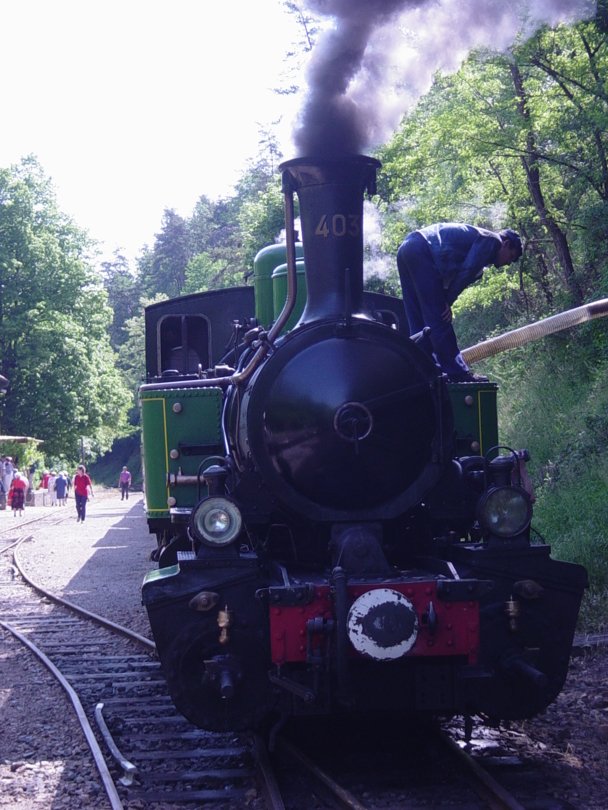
339	225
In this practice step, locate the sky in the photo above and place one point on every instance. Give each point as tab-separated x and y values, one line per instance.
134	106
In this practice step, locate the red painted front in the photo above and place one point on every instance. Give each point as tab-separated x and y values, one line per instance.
456	632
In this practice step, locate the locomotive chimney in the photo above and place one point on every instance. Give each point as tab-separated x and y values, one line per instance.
330	193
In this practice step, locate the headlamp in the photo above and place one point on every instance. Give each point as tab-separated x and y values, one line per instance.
216	522
504	511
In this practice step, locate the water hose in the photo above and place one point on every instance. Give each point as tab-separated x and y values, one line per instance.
534	331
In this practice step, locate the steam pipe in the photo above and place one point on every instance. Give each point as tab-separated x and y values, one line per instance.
292	282
534	331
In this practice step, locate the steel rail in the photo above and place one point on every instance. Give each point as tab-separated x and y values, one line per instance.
343	796
117	628
497	797
98	756
56	518
15	543
270	787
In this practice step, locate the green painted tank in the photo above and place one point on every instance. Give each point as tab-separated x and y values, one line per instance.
475	417
279	292
181	428
264	264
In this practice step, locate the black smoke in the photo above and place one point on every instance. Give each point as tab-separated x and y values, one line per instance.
379	56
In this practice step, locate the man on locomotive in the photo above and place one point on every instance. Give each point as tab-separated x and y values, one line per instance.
435	265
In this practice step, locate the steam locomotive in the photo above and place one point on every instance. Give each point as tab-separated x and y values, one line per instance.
338	528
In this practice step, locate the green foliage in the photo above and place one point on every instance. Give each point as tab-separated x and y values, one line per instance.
125	451
132	352
261	219
554	402
123	289
54	323
163	268
488	307
25	454
216	246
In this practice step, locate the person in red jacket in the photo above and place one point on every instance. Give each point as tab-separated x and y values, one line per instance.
18	489
82	489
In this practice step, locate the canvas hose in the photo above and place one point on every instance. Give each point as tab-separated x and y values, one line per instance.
534	331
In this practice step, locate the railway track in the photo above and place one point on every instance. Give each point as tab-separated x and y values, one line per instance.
155	759
142	749
372	771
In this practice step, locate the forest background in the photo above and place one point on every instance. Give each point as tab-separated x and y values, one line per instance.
518	140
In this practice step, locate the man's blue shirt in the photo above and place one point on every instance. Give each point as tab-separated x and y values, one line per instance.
460	253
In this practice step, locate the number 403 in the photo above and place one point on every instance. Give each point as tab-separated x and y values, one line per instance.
339	225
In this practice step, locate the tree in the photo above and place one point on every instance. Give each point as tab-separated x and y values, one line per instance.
54	322
123	289
517	140
163	270
308	29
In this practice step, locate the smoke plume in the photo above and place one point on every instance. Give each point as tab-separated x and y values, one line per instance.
379	56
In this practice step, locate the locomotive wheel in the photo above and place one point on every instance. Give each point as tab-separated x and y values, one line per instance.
195	689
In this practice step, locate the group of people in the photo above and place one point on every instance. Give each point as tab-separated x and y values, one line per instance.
57	485
14	486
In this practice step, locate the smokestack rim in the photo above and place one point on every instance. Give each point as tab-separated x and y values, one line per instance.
348	169
330	160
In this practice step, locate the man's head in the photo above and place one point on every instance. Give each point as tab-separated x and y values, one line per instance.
510	249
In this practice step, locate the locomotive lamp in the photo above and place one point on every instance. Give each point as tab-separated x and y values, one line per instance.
216	522
505	511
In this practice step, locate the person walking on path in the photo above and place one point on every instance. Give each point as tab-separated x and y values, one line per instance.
18	490
83	487
435	265
124	482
